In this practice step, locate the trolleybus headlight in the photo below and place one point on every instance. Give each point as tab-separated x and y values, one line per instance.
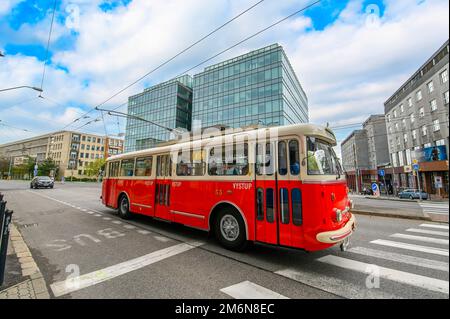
338	215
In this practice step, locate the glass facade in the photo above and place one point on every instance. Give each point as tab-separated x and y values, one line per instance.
168	104
259	87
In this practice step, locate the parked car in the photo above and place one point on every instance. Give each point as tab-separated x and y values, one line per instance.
412	194
41	181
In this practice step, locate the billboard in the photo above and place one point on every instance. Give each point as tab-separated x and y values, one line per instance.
431	154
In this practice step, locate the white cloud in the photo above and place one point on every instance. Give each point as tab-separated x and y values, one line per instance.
7	5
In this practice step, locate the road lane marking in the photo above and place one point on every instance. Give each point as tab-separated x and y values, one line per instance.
143	232
250	290
388	273
118	222
90	213
106	218
97	215
161	238
434	226
425	249
421	238
428	232
334	285
84	210
129	226
405	259
80	282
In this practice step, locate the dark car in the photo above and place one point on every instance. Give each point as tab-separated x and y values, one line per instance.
367	191
41	181
412	194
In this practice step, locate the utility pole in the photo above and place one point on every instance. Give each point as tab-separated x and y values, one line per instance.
10	166
356	168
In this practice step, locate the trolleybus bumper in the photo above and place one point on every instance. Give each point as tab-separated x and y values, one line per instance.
336	236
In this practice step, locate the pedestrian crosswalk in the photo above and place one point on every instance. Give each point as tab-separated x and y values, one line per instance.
435	208
415	257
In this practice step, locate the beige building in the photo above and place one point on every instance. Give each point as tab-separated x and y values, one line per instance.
71	151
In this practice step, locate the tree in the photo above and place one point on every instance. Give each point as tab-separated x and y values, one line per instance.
46	167
93	169
4	166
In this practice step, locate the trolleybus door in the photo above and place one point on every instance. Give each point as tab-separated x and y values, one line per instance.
266	194
162	186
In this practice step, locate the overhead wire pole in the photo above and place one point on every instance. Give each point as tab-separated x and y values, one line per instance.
48	44
240	42
172	58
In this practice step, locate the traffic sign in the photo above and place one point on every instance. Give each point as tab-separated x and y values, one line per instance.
381	172
415	167
375	189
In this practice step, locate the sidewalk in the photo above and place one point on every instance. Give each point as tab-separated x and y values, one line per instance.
31	283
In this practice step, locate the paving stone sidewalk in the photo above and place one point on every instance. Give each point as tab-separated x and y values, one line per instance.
33	285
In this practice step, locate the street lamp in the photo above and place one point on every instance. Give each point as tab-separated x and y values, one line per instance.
21	87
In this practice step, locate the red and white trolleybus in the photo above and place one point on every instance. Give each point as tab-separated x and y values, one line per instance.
279	185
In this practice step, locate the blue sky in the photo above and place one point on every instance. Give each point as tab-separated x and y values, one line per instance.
349	55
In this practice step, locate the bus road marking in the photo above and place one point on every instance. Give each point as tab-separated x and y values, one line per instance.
79	282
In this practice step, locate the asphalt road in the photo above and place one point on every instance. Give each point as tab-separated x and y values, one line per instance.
72	235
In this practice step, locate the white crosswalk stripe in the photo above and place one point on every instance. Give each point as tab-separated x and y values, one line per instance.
250	290
434	226
421	238
425	249
388	273
405	259
435	208
334	285
428	232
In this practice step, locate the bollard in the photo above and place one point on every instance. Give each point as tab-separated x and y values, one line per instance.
5	220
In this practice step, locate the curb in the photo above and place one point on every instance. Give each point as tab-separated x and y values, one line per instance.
393	199
369	213
33	287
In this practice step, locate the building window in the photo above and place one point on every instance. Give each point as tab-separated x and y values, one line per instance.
390	129
440	142
401	108
433	105
421	112
405	137
401	161
389	118
446	97
419	95
396	127
398	141
430	86
83	138
412	117
414	134
424	130
394	159
444	77
436	126
409	102
395	113
404	123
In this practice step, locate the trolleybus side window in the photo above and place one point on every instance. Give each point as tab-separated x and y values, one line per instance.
113	169
294	158
282	159
269	205
284	205
296	198
163	165
191	163
127	167
143	166
260	204
223	162
264	162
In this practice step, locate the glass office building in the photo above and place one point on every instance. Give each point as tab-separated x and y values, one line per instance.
168	104
259	87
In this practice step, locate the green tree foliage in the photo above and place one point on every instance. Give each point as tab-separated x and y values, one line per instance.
93	169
